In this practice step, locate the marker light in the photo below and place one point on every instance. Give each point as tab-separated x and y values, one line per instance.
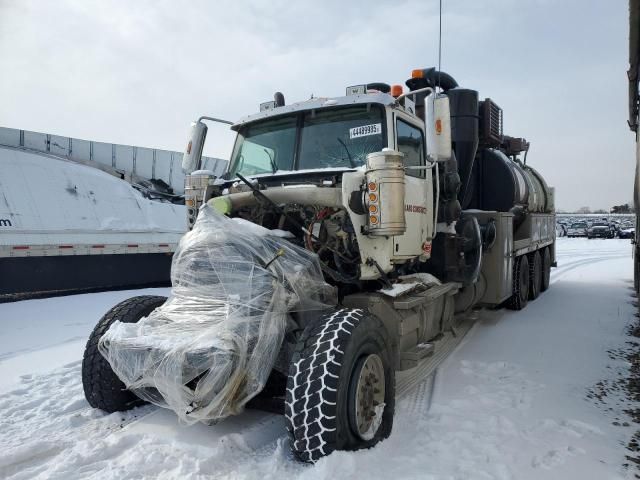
396	90
373	219
373	197
418	73
372	186
373	209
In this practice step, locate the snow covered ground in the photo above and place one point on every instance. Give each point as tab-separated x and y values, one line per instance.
509	403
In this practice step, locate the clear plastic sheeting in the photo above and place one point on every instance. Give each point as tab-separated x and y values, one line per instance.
211	347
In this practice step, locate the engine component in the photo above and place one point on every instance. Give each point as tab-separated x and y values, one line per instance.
448	205
464	134
490	124
195	191
385	193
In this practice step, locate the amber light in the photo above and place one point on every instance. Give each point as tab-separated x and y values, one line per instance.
373	219
189	202
373	197
373	208
418	73
396	90
372	186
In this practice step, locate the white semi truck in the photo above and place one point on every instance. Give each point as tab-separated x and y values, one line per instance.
345	240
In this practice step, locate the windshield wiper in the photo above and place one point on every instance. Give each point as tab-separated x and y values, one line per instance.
274	167
351	162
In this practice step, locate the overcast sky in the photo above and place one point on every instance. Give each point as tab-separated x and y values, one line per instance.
138	72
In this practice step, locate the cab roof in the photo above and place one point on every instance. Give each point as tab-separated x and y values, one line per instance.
383	99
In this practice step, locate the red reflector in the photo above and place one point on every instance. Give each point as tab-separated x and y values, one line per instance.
132	246
97	246
163	245
65	246
21	247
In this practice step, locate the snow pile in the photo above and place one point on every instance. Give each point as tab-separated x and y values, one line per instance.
211	347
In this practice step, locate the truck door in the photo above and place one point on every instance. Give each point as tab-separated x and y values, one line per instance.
410	140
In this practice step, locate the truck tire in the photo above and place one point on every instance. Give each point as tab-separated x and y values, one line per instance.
102	388
341	386
520	295
535	275
546	269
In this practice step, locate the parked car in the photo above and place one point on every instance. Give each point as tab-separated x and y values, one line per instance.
627	232
578	229
600	229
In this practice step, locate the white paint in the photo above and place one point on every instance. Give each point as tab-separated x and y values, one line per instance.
55	201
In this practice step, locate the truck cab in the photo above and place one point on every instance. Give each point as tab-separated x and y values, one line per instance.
324	142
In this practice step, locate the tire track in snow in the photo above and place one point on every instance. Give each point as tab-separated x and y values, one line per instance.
564	269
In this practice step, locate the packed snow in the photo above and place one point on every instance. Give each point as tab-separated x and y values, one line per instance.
509	403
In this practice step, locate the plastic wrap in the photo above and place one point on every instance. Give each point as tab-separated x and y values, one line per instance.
211	347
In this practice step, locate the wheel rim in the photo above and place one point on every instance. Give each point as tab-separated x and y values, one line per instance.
368	397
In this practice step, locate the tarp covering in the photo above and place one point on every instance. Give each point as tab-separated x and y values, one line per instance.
211	347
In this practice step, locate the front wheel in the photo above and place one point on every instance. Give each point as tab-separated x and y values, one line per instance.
341	386
102	387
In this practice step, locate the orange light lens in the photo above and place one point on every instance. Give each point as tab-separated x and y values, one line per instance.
189	202
373	219
373	197
373	209
189	148
438	126
396	90
372	186
418	73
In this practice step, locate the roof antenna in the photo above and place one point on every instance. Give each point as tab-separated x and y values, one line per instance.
440	45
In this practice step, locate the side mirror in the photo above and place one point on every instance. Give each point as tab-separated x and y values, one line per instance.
193	153
438	126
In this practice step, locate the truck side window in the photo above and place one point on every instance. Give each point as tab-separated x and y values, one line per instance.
411	143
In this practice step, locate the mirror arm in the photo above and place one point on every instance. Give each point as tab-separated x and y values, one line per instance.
212	119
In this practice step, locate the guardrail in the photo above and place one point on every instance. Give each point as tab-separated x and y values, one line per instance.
149	163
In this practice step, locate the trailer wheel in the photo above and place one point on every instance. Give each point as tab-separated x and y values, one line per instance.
546	269
341	386
535	275
520	295
102	388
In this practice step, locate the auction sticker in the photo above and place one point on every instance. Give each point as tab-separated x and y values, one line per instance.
365	130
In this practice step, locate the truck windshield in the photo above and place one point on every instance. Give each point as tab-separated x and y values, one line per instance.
334	138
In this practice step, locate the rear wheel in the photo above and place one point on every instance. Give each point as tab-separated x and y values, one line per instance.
102	388
535	275
341	386
520	294
546	269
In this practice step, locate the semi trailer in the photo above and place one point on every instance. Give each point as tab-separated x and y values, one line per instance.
346	239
